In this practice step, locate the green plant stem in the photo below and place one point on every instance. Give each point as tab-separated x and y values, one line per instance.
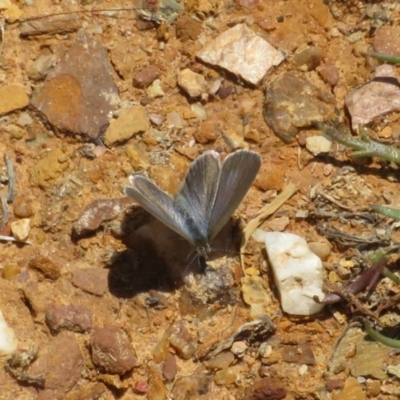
364	146
380	338
386	58
387	211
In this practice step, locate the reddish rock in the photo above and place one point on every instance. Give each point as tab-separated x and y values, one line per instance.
69	317
334	384
265	389
91	280
99	211
79	94
387	40
60	365
224	91
329	73
112	351
170	369
301	354
146	76
141	387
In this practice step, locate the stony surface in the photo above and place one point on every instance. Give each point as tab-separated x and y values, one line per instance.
193	336
112	351
291	103
79	101
59	364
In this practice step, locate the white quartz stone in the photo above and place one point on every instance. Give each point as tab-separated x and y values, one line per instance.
298	272
8	342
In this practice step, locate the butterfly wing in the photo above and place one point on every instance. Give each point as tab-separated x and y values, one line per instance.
237	175
158	203
195	198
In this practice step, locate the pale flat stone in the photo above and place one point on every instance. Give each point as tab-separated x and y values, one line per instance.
377	97
242	52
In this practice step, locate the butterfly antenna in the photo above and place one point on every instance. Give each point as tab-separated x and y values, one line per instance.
202	262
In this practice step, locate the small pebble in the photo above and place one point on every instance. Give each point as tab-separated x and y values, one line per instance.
24	119
318	144
220	361
21	228
46	267
310	58
155	89
239	349
22	208
225	377
321	249
192	83
10	272
303	370
265	350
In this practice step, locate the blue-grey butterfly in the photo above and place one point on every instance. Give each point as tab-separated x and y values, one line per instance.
208	197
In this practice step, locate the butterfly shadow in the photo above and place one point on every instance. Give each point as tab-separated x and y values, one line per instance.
158	258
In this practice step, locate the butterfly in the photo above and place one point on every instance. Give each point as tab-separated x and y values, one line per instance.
209	195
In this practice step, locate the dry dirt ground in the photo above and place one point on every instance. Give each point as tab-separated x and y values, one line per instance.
106	307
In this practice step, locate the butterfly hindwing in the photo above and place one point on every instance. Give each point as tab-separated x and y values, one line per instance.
195	198
237	175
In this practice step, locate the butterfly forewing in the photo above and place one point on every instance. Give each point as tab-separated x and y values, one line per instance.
197	195
158	203
237	175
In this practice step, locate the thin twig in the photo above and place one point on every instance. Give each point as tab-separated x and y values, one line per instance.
5	213
12	180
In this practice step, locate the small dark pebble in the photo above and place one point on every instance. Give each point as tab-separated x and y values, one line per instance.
22	208
334	384
224	91
264	389
146	76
